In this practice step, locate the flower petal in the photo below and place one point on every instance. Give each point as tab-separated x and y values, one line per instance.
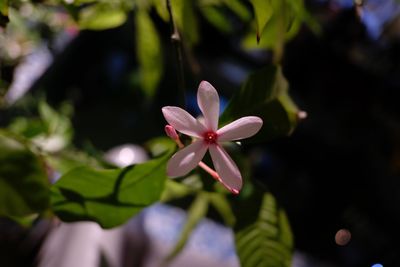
208	101
182	121
226	168
240	129
186	159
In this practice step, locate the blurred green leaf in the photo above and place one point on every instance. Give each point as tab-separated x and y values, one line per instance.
81	2
3	13
186	20
149	53
300	13
263	10
158	146
4	7
217	18
66	160
197	211
27	127
221	204
239	9
268	240
24	189
59	129
264	94
161	9
25	221
276	22
101	16
52	132
109	197
175	190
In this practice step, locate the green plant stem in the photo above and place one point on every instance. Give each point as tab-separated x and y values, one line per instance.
279	46
177	44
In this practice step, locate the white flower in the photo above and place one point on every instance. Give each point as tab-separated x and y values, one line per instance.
208	137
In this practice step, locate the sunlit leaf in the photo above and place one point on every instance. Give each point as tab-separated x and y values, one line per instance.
300	13
51	132
58	129
263	10
101	16
161	8
186	20
24	189
149	53
267	241
239	9
276	22
264	94
66	160
195	213
109	197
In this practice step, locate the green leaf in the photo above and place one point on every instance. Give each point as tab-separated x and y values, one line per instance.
186	20
59	129
175	190
52	132
197	211
109	197
221	204
161	9
149	53
239	9
268	241
24	189
263	10
217	18
101	16
3	13
4	7
264	94
277	21
66	160
300	13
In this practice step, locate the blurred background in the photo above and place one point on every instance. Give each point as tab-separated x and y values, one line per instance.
337	176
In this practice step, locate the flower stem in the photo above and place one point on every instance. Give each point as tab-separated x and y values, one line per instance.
177	44
213	173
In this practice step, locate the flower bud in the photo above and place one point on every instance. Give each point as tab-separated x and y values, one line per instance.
170	131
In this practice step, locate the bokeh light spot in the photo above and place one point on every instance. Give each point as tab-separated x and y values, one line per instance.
342	237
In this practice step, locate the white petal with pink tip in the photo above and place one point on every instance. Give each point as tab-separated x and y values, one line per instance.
226	168
240	129
186	159
182	121
208	101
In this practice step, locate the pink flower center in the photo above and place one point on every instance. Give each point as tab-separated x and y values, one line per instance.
210	137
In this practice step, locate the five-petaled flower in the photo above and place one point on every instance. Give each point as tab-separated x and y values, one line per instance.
208	137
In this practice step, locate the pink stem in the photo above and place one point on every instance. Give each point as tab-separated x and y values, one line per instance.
213	173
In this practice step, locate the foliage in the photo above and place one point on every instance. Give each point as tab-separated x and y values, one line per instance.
267	241
265	94
86	188
24	186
